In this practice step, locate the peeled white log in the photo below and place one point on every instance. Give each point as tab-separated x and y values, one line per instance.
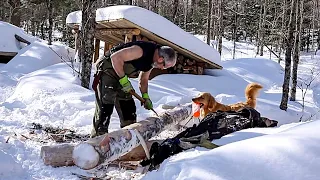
112	146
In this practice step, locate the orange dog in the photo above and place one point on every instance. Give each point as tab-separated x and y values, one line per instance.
209	104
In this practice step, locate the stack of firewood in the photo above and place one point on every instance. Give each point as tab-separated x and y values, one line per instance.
188	66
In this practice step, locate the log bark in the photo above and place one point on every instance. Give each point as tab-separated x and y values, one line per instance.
113	145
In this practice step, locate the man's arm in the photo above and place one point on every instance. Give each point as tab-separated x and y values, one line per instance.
143	81
126	54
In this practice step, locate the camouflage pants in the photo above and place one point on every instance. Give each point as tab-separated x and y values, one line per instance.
108	96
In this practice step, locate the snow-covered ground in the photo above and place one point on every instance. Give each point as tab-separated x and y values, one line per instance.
37	86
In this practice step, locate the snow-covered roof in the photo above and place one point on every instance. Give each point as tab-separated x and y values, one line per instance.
156	24
8	43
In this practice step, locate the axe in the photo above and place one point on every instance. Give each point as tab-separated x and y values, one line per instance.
141	100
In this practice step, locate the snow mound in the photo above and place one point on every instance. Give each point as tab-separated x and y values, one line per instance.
8	42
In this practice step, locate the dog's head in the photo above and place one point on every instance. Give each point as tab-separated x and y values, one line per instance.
206	100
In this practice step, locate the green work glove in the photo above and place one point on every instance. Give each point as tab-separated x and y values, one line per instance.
147	104
125	83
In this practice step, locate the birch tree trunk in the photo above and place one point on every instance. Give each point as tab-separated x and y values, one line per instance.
296	53
289	44
87	40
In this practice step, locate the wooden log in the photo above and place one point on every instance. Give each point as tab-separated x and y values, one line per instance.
57	155
144	39
187	68
113	145
180	58
189	62
138	38
61	154
179	68
200	70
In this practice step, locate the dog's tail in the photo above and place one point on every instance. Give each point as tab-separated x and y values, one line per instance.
251	93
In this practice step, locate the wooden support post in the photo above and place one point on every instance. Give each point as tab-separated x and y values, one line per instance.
96	50
75	33
106	48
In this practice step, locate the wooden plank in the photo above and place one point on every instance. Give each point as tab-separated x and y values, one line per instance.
109	37
119	23
106	39
118	31
8	53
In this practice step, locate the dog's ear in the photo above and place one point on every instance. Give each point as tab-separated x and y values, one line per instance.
211	102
